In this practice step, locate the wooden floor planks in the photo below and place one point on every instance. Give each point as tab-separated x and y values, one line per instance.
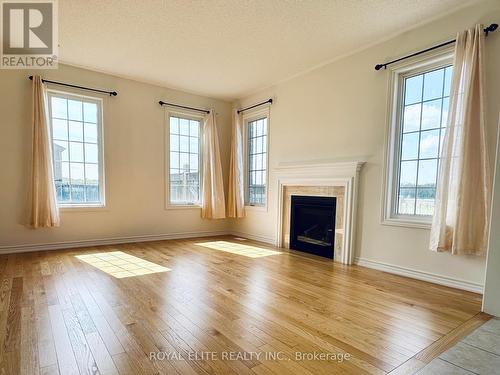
61	315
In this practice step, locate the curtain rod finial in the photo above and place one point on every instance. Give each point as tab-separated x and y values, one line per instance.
491	28
379	66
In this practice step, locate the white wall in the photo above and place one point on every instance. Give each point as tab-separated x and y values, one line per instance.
491	299
340	111
134	154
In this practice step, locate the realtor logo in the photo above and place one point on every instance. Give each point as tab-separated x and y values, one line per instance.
29	34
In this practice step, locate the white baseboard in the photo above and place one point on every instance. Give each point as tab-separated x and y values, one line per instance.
255	237
105	241
421	275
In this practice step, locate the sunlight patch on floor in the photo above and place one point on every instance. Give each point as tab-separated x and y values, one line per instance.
239	249
119	264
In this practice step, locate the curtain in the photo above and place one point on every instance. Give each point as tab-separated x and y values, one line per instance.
213	201
236	198
43	210
460	222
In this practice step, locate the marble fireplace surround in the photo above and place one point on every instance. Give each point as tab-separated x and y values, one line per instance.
330	179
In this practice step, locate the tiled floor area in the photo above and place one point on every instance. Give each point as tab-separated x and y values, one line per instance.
478	353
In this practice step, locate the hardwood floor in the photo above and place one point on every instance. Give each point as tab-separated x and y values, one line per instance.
217	306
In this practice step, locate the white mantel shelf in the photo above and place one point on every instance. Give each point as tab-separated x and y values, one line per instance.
328	173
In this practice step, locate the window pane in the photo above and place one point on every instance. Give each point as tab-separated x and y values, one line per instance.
61	151
409	149
425	201
411	118
193	128
59	108
431	114
91	153
413	90
75	131
174	125
174	160
193	145
184	161
193	162
184	143
433	84
60	129
92	174
258	144
427	171
408	175
174	142
429	144
406	201
92	193
75	110
61	172
90	112
76	151
77	173
90	131
183	126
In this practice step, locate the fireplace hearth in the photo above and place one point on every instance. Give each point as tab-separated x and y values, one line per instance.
312	224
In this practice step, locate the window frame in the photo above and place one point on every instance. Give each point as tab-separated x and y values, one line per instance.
100	146
248	117
187	115
398	73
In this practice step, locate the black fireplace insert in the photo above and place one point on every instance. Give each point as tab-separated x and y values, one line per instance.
312	225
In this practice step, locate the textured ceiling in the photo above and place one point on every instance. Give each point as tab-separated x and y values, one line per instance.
227	48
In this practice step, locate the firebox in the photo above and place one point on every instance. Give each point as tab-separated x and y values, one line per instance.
312	224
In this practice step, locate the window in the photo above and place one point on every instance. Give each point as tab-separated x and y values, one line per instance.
256	161
420	109
184	160
76	131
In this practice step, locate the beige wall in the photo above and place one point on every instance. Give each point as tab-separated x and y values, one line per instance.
134	154
340	111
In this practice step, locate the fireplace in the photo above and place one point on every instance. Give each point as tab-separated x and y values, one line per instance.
312	224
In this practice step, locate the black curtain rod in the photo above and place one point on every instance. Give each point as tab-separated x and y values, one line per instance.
110	93
270	101
486	30
183	106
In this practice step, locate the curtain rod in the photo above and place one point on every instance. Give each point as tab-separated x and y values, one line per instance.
270	101
110	93
486	30
161	102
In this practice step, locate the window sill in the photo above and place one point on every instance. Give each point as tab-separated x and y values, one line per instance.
183	207
82	208
256	208
407	223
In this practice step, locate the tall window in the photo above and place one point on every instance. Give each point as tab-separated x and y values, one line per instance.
422	102
257	161
184	160
76	130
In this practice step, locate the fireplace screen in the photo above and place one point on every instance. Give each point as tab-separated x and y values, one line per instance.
312	225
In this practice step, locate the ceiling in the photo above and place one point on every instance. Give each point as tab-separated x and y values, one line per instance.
227	48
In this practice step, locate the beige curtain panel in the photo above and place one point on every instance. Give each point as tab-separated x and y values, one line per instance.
213	201
43	210
235	196
460	222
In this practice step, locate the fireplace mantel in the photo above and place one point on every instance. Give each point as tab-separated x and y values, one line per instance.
322	175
